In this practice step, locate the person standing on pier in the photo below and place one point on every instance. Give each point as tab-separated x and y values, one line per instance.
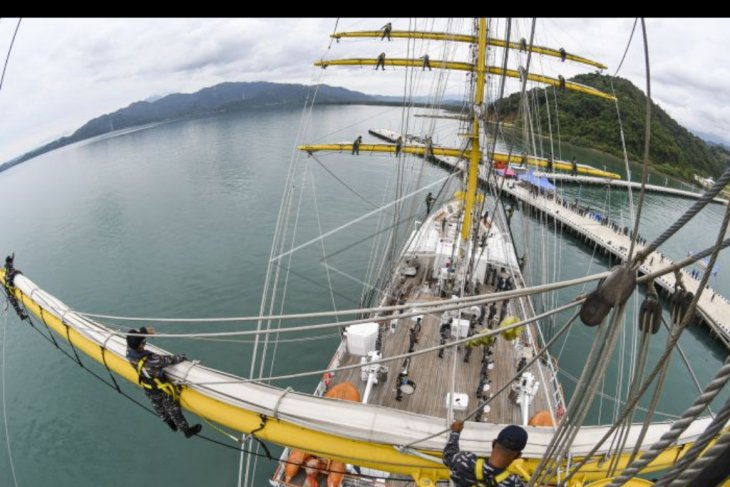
468	469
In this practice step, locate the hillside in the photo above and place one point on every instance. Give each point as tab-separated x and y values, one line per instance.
222	98
591	122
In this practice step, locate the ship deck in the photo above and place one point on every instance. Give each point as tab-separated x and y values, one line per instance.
435	377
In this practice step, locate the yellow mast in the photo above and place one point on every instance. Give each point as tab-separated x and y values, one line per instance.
476	153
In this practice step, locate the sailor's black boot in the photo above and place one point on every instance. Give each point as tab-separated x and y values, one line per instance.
192	430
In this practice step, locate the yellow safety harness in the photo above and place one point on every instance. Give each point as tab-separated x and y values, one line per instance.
154	383
479	474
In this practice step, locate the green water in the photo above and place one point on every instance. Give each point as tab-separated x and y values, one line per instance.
177	220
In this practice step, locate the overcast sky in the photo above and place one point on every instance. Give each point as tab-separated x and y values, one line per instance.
64	72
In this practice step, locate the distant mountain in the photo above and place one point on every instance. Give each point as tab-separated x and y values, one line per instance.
591	122
711	139
222	98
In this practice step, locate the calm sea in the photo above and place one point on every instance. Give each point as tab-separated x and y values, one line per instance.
177	220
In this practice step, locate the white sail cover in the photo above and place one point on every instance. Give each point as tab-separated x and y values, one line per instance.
364	422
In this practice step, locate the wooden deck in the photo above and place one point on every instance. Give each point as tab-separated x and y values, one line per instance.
435	377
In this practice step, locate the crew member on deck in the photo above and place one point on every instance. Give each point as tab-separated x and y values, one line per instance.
429	202
467	469
574	169
157	387
398	145
502	277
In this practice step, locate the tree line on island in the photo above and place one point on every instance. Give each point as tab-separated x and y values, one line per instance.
592	122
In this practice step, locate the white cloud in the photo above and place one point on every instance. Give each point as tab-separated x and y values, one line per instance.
64	72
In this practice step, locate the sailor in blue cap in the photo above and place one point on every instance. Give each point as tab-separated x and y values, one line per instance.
468	469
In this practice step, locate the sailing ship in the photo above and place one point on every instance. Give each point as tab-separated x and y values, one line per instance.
447	330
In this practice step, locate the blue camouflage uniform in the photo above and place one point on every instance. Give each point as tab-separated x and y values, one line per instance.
462	465
166	405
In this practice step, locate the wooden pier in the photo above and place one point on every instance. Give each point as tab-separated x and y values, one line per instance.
712	307
620	183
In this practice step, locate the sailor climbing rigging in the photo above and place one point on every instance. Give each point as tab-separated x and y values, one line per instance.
10	273
387	28
381	61
157	387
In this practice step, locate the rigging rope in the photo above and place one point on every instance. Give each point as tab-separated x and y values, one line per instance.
392	358
698	447
10	50
485	298
625	153
278	242
347	186
626	51
671	342
419	308
686	363
638	372
452	303
327	336
652	405
647	138
324	253
5	409
577	409
360	218
701	465
699	405
687	216
614	399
